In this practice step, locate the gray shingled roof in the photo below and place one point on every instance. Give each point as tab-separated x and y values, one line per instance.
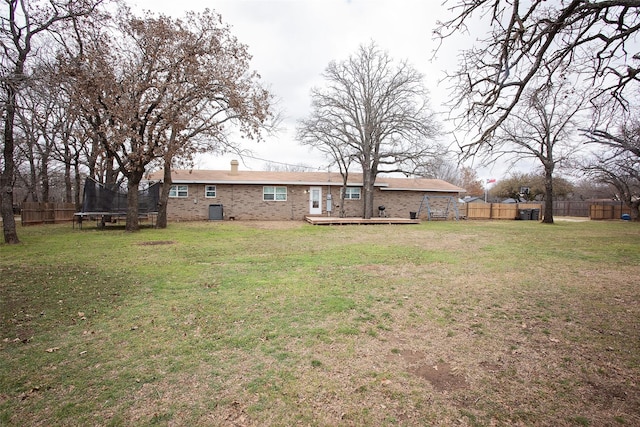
302	178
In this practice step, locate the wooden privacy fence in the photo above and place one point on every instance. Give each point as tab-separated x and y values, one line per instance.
608	210
498	210
571	208
46	213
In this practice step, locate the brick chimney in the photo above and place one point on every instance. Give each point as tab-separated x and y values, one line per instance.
234	167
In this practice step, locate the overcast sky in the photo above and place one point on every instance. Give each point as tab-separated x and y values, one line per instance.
293	41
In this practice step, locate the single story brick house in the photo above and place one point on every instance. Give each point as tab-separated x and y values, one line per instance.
254	195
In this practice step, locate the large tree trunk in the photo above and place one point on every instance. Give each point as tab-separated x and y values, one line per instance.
44	178
367	187
548	196
627	196
133	184
32	181
164	196
344	172
8	220
92	159
78	184
111	174
6	177
635	211
68	198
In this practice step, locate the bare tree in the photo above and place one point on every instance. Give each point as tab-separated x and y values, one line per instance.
452	172
627	139
27	136
22	22
621	171
40	121
71	150
586	188
62	140
617	162
377	112
50	139
541	130
283	167
442	167
537	41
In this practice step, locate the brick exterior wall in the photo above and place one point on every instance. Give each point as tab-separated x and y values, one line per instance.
244	202
401	203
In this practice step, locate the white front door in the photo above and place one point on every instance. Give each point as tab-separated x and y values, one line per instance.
315	200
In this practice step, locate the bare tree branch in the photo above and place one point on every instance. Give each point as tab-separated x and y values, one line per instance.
21	23
543	129
537	42
374	112
617	162
161	88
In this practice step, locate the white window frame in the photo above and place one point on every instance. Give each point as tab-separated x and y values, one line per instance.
207	191
179	191
349	193
279	193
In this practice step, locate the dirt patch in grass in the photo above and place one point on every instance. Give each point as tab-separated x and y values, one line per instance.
272	225
157	242
571	218
442	376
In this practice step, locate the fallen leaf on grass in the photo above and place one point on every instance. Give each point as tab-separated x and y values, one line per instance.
52	349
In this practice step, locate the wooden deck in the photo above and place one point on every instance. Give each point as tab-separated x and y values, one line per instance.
324	220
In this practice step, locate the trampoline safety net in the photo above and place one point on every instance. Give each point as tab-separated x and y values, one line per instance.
99	198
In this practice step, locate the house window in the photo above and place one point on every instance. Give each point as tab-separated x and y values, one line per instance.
352	193
278	194
179	191
210	191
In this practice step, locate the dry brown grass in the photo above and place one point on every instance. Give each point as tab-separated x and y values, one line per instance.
252	324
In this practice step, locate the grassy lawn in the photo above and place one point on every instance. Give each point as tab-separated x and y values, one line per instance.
252	324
